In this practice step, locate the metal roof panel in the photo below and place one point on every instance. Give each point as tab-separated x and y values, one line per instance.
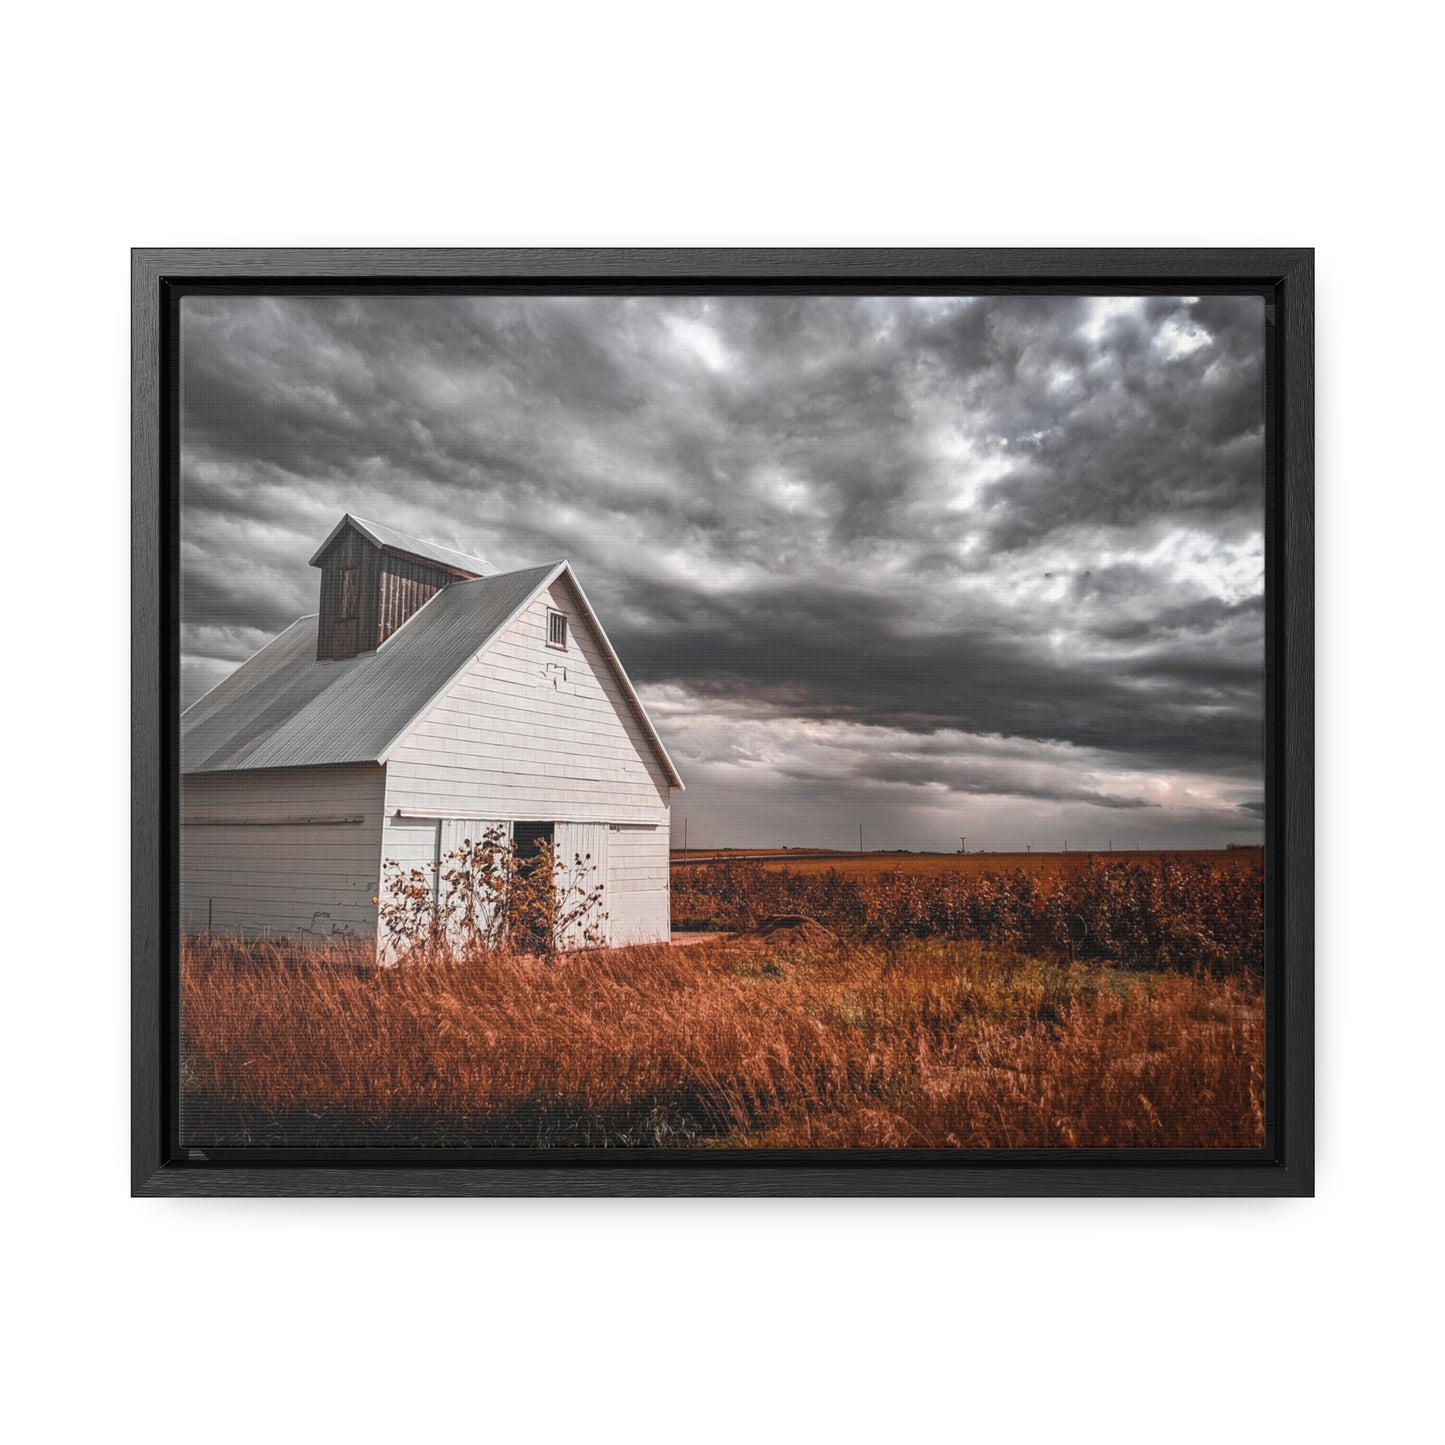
389	539
284	709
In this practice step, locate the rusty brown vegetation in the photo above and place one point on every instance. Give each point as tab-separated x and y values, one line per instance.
743	1042
1178	911
859	865
820	860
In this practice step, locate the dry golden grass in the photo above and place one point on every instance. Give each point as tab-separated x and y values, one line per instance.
921	1043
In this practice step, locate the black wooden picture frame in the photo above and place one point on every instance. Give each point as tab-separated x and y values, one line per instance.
1284	277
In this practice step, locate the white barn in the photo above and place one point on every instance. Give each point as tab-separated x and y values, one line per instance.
428	698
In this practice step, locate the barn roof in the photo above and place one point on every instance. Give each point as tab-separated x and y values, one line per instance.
390	540
284	709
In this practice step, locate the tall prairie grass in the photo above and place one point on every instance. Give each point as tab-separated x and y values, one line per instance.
906	1043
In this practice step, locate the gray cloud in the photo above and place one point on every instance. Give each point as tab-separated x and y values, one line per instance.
1027	518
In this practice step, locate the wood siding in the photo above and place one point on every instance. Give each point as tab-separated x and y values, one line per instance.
513	739
338	636
266	852
387	590
405	586
410	843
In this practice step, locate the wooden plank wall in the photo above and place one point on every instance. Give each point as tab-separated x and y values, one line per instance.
405	586
350	549
389	590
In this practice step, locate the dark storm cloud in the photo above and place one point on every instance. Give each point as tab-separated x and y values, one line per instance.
977	778
1125	430
833	653
1029	518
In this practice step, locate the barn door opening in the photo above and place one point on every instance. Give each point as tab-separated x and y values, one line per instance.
529	837
527	843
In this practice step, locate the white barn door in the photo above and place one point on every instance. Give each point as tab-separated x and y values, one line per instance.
587	841
638	885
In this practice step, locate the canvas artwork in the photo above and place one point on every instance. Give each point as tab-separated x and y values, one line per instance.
736	721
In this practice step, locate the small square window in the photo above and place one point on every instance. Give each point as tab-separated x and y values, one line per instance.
557	630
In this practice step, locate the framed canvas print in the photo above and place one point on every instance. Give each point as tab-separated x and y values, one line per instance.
722	722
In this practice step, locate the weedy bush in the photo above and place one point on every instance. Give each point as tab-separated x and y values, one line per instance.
1183	914
484	898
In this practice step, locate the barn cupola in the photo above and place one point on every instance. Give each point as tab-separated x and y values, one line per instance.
373	578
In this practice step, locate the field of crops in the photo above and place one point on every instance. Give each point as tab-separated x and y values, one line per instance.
862	865
1170	911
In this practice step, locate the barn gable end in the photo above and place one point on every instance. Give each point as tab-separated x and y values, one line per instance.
534	728
537	732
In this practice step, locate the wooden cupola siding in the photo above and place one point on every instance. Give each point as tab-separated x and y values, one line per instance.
368	592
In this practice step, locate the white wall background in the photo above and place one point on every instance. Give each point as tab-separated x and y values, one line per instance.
757	124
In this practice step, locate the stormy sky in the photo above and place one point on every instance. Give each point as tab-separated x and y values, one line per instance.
940	566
